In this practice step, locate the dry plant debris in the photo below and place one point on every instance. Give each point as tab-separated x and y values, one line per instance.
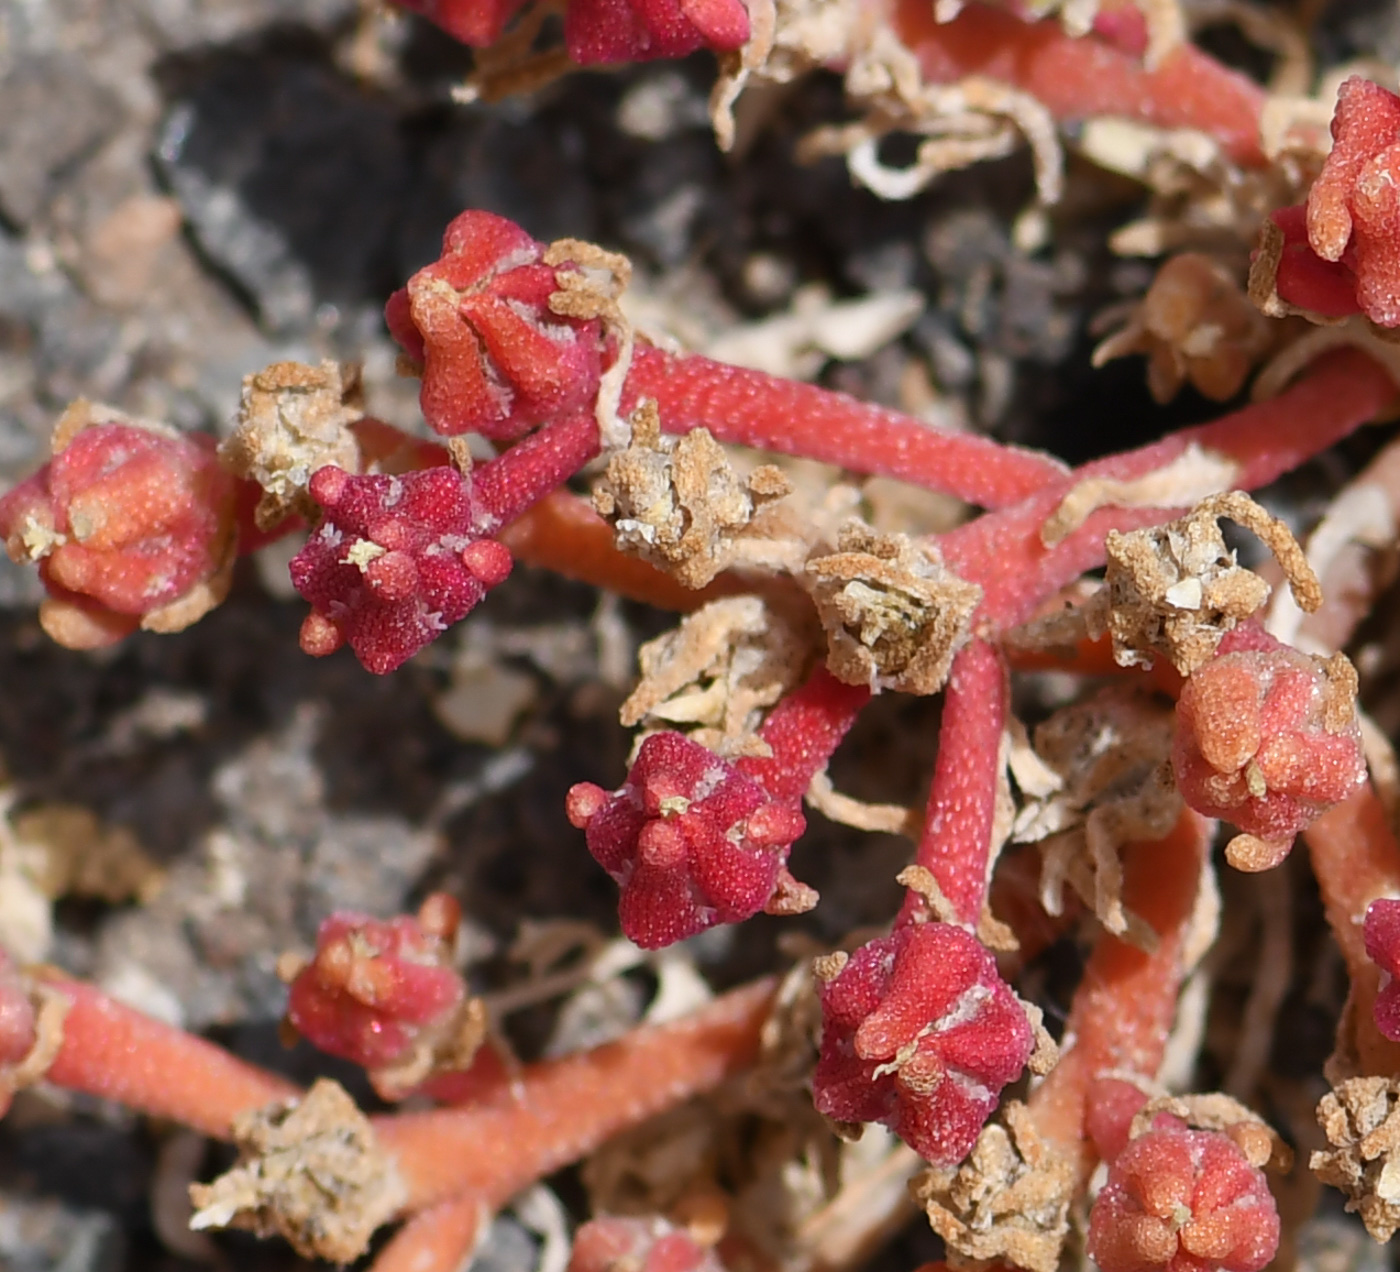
718	670
311	1172
1009	1200
678	503
292	420
1110	757
1362	1127
894	613
1176	589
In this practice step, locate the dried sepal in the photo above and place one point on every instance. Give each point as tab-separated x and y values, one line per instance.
1174	590
678	503
293	419
1110	755
894	614
717	672
1008	1201
31	1029
1196	326
311	1171
1361	1121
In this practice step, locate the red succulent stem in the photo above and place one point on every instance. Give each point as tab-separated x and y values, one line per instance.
512	482
1124	1007
1356	860
114	1051
1078	77
1003	551
559	1110
804	731
769	413
956	839
439	1239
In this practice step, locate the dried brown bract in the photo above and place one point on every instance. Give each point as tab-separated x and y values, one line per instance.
1193	475
311	1171
719	670
1111	755
677	501
1009	1200
1360	1121
1196	326
1174	590
292	420
894	614
593	289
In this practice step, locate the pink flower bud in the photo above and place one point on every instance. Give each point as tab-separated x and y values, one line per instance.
374	985
691	840
395	562
1354	206
474	22
920	1033
638	30
129	524
496	359
615	1244
1184	1201
1268	740
1382	933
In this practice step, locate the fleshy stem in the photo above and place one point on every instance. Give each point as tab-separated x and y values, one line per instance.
439	1239
1081	77
558	1110
1004	553
1124	1007
116	1052
962	799
763	411
1356	860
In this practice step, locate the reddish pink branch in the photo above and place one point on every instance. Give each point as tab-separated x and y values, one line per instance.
559	1110
1003	551
773	414
113	1051
439	1239
1078	78
962	800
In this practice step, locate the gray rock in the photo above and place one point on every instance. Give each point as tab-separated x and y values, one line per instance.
39	140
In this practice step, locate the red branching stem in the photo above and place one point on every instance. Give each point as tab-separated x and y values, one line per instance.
773	414
534	466
563	534
1004	552
803	732
439	1239
957	831
1356	860
116	1052
1077	78
1124	1007
558	1110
